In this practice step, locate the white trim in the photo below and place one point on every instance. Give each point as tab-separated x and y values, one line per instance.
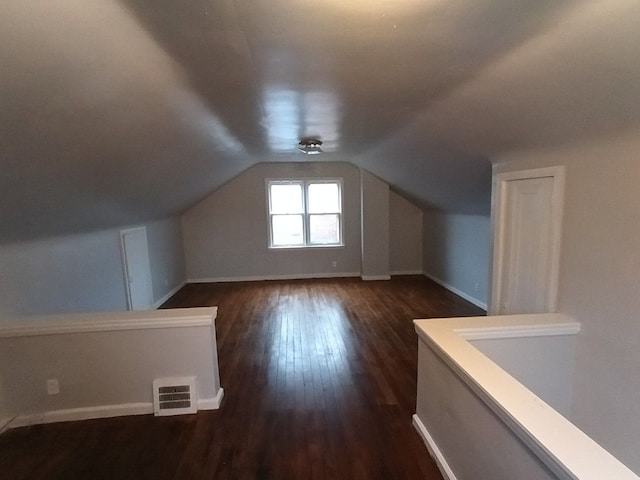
147	269
304	183
84	413
100	411
559	444
6	424
434	451
368	278
498	229
522	331
211	403
175	290
319	246
104	322
261	278
458	292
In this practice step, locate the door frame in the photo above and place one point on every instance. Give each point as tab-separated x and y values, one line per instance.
499	213
125	260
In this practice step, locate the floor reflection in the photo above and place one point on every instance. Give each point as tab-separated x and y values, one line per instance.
311	347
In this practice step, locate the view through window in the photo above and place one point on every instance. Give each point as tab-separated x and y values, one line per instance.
305	213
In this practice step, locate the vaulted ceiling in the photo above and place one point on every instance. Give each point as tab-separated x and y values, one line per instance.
122	111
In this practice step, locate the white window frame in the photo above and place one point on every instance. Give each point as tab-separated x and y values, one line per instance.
305	182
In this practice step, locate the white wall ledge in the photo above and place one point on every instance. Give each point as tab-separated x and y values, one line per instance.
104	363
560	445
108	322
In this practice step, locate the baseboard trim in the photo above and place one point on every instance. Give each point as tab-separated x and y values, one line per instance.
406	272
5	424
460	293
261	278
101	411
369	278
434	451
169	295
211	403
85	413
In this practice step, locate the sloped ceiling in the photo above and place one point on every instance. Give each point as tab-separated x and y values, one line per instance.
117	112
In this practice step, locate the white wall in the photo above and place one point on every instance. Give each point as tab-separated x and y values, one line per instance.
405	236
598	285
105	363
457	253
83	273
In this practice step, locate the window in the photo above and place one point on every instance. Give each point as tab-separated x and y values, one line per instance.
305	213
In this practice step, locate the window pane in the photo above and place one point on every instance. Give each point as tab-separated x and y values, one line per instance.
286	198
324	229
287	230
324	198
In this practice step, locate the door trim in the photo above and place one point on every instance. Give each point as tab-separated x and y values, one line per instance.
499	212
125	260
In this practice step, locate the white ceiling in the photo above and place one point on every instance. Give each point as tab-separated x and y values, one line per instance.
117	112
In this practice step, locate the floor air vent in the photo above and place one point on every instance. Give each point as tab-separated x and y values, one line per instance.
174	396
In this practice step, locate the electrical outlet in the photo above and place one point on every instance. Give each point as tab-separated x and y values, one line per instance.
53	387
334	264
476	287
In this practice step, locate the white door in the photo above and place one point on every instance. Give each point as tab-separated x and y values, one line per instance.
135	255
527	241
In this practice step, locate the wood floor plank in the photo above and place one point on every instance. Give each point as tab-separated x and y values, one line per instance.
320	383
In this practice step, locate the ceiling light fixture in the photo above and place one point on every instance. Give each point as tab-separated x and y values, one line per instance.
310	146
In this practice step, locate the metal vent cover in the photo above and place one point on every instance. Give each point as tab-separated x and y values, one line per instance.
174	396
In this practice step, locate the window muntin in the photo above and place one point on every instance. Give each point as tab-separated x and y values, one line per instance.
305	213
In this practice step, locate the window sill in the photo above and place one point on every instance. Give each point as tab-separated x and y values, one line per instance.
306	247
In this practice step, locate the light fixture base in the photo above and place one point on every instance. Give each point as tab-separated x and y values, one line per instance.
310	146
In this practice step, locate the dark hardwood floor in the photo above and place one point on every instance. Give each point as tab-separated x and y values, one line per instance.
319	379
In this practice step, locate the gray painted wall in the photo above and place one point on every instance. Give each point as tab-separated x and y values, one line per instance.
63	274
5	415
375	227
83	273
598	285
543	364
166	256
476	444
405	235
117	367
457	253
226	234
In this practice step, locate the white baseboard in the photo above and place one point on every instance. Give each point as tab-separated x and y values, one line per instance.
453	289
406	272
169	295
434	451
5	424
85	413
211	403
101	411
260	278
368	278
